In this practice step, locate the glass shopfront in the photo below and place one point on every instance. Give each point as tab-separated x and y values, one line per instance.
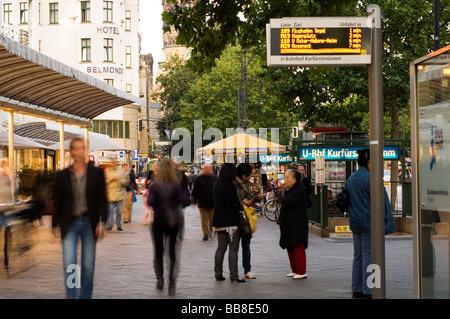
430	111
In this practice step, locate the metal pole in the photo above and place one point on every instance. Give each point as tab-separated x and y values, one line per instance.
11	155
239	108
86	143
437	35
245	92
147	102
376	155
62	160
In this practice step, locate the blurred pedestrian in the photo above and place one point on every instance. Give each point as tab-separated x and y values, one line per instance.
150	177
191	179
131	189
80	211
225	221
167	198
203	197
5	187
358	186
246	197
293	223
116	182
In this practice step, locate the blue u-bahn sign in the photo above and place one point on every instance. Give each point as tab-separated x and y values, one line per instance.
343	153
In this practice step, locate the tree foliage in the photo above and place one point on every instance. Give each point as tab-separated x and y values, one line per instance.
315	95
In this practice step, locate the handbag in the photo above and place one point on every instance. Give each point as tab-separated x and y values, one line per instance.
244	226
252	216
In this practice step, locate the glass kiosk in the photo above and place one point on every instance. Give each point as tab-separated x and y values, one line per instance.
430	150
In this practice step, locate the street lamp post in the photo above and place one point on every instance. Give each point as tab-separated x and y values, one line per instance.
242	111
436	6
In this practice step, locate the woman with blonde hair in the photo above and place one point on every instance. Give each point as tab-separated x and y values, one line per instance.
166	199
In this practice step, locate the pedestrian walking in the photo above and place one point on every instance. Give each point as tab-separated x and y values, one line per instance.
247	198
131	189
6	196
358	186
80	212
166	198
293	223
150	177
116	182
203	197
225	222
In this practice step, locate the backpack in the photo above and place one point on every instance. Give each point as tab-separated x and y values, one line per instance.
343	200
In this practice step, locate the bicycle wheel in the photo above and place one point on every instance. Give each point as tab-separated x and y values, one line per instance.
271	209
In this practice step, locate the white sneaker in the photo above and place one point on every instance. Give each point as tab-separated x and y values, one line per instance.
297	276
291	274
250	275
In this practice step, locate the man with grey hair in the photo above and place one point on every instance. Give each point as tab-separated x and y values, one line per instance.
80	211
203	196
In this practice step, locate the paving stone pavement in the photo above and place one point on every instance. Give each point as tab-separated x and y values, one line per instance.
124	268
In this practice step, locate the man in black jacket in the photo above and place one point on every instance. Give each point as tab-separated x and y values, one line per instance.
80	211
203	196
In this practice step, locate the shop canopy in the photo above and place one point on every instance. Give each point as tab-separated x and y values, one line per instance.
241	143
20	143
35	84
95	144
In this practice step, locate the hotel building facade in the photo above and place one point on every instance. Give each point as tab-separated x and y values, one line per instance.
100	38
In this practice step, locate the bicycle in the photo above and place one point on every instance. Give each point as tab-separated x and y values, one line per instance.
18	236
272	207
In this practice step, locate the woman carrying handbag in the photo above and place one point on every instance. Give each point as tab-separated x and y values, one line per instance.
225	222
246	197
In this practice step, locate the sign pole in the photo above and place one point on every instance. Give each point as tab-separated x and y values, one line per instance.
376	156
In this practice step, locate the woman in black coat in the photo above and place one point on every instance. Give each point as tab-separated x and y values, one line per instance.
293	223
225	221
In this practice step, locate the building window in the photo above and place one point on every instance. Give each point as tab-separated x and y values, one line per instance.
114	129
128	88
24	13
85	11
107	11
54	13
108	50
128	57
85	50
110	81
127	129
128	20
7	12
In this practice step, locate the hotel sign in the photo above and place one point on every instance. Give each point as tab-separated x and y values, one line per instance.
104	69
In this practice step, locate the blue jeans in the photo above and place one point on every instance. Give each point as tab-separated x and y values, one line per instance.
115	212
79	286
362	258
246	255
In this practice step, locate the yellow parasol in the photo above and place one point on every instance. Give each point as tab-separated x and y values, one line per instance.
241	143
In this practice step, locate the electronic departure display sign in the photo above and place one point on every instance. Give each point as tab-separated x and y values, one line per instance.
319	41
